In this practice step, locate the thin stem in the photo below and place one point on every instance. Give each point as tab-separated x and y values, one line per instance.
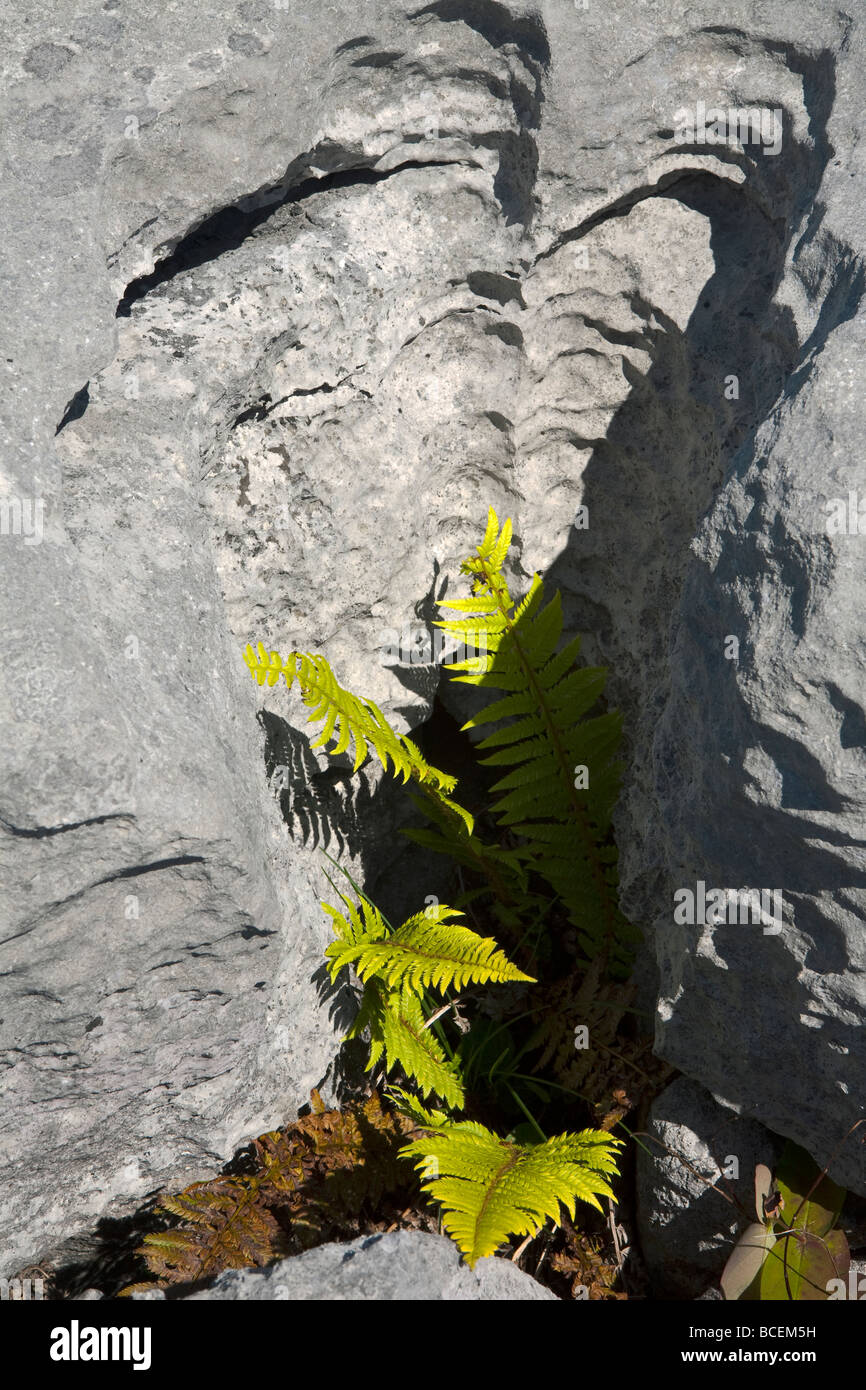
531	1118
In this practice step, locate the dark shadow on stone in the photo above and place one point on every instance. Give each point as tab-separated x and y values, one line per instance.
340	997
76	407
495	23
105	1258
227	228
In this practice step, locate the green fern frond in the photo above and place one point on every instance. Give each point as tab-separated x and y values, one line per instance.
428	949
399	1032
491	1189
348	718
546	743
411	1107
364	924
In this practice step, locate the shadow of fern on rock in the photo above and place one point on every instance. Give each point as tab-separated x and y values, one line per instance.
323	808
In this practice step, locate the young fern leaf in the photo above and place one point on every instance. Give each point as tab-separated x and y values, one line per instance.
563	783
491	1189
398	1031
347	719
429	949
364	924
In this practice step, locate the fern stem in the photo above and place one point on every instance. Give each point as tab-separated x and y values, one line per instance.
530	1117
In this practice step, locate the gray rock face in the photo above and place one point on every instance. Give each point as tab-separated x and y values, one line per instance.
771	794
403	1266
687	1230
292	303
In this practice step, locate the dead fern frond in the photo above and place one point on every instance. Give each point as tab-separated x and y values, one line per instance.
312	1181
223	1227
581	1261
326	1167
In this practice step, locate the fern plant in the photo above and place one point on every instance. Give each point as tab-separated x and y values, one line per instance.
349	719
553	806
562	781
558	796
397	967
308	1182
428	949
554	803
491	1188
554	832
560	833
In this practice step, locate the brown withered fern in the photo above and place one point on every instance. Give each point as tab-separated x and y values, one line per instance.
312	1182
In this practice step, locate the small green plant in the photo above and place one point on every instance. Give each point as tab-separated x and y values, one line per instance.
794	1251
561	777
554	805
398	968
543	868
490	1188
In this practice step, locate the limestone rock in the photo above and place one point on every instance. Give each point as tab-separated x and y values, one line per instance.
686	1229
289	305
398	1267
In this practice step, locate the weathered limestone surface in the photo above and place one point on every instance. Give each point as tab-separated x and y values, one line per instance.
695	1152
409	264
401	1266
